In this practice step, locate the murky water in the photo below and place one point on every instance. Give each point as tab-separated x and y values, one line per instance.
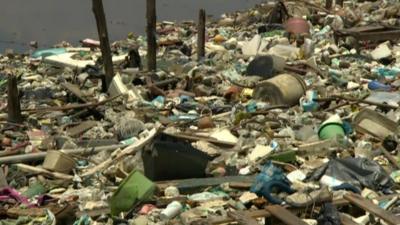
51	21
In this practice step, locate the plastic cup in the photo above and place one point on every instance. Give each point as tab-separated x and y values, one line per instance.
331	130
172	210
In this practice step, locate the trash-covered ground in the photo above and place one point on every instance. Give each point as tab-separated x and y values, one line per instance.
291	118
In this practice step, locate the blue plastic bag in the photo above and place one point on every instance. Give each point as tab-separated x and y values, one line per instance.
271	178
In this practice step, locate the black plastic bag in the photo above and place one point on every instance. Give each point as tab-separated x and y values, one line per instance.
360	172
328	215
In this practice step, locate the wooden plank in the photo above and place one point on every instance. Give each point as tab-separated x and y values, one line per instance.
81	128
378	36
240	185
242	218
369	28
39	170
98	11
284	215
75	90
33	212
193	137
372	208
253	214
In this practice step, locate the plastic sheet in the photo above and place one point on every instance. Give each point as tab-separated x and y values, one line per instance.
360	172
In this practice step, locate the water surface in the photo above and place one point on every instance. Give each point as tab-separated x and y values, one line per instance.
52	21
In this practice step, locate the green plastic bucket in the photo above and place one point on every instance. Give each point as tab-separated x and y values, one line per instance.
330	130
134	188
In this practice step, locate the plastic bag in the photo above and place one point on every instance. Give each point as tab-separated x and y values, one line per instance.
360	172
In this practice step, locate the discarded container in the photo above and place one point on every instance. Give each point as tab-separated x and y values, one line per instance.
117	87
171	192
285	51
171	158
364	150
172	210
331	130
59	162
252	47
48	52
372	122
262	66
297	26
308	102
284	89
135	187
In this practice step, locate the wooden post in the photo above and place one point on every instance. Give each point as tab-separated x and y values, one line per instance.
98	11
151	35
328	4
201	35
339	2
13	104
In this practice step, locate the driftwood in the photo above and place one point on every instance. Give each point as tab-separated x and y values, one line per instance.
31	157
242	218
74	106
38	170
120	154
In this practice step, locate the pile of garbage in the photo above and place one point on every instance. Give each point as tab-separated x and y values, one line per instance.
290	118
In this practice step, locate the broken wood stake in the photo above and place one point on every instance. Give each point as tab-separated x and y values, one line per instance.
13	105
151	35
98	11
373	209
201	35
328	4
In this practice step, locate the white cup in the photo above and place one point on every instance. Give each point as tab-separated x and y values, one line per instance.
172	210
